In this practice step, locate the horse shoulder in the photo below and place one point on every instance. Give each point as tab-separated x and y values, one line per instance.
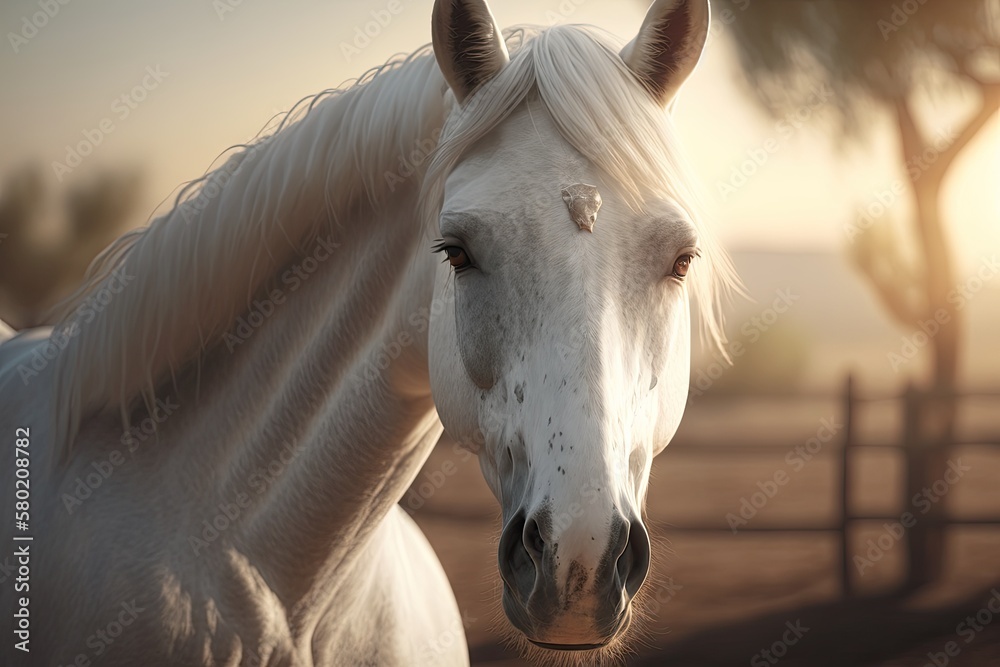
6	331
405	614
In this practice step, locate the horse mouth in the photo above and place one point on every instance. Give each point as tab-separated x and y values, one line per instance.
569	647
563	634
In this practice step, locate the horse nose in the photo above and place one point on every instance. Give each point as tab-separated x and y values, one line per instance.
632	564
565	585
520	554
525	552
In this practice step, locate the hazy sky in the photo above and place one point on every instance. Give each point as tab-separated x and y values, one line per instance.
223	68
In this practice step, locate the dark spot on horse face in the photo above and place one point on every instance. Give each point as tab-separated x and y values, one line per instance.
576	581
519	393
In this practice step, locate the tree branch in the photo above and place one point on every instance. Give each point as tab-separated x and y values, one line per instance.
911	139
989	107
891	293
961	56
892	298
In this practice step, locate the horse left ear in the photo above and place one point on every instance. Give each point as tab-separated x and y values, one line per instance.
468	44
668	46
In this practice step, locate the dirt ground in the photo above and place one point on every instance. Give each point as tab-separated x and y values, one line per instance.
718	598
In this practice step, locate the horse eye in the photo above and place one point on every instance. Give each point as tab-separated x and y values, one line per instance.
456	257
682	264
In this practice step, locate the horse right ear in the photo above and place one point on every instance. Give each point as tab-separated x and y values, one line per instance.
468	44
668	46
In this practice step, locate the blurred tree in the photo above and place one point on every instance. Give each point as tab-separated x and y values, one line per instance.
23	275
776	362
97	212
886	55
40	266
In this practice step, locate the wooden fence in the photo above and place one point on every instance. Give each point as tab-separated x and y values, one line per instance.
925	456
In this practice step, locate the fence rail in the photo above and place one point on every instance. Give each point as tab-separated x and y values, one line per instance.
923	454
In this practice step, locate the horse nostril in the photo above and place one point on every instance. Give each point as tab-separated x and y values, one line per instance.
516	558
633	563
533	541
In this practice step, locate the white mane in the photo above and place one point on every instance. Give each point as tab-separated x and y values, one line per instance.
195	269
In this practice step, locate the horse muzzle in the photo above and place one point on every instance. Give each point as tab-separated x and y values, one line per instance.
566	598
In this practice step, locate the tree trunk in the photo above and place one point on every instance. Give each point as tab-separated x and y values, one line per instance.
937	411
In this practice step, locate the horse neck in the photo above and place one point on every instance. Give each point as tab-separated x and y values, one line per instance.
327	373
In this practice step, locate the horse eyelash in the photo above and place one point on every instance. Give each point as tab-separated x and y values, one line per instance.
439	246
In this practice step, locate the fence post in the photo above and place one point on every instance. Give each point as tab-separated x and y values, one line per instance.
845	488
916	564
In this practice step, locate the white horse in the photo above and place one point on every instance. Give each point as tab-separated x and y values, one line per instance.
218	432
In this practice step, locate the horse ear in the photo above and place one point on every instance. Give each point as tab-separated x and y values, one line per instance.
468	44
668	46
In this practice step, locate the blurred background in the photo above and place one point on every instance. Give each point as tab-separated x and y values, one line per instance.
840	474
